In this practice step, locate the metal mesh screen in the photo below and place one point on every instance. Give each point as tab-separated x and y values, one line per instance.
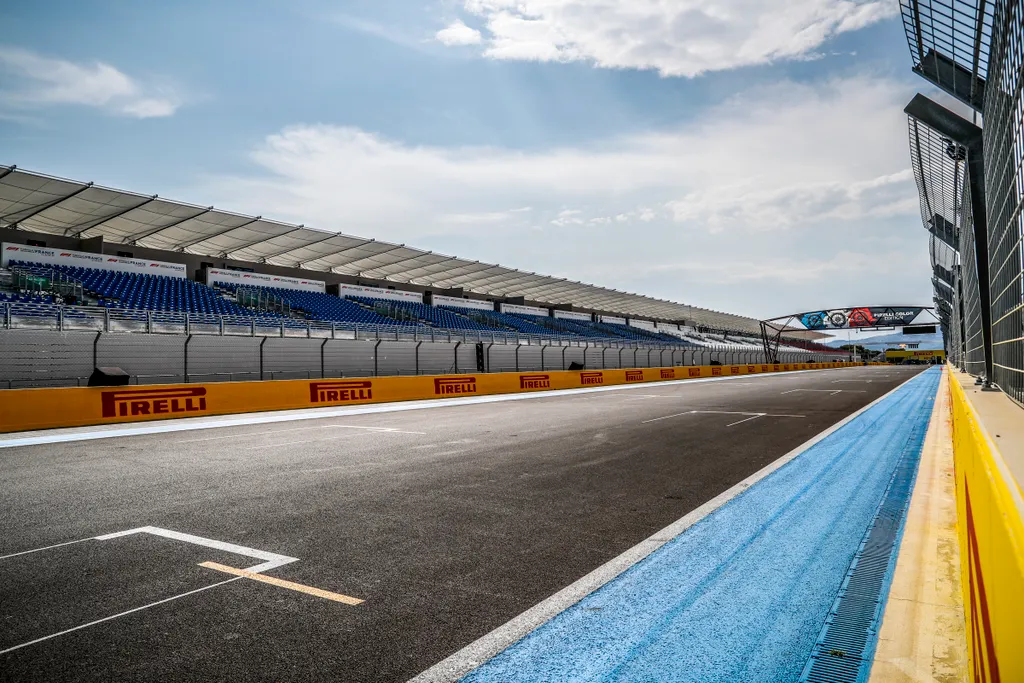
1004	180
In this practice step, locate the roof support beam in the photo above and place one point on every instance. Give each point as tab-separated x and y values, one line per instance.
43	207
291	249
963	132
247	245
8	171
204	238
134	239
79	229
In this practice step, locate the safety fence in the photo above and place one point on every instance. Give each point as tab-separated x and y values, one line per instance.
970	176
990	526
28	409
37	359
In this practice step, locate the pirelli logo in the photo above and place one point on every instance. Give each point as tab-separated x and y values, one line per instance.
591	378
339	391
534	381
785	367
734	369
453	386
764	368
634	375
716	371
668	373
131	402
751	368
694	372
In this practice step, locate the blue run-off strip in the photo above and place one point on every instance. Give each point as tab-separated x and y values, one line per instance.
742	594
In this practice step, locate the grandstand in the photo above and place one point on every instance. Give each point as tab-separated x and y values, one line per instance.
77	256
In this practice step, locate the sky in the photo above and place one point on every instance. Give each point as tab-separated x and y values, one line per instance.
749	156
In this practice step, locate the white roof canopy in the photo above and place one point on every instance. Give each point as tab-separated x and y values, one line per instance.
40	203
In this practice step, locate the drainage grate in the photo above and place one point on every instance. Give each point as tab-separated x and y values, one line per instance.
846	644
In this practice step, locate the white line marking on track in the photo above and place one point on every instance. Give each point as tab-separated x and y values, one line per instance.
49	547
115	616
272	560
476	653
188	424
721	412
746	419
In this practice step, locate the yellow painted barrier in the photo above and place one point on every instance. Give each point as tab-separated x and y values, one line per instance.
990	524
27	409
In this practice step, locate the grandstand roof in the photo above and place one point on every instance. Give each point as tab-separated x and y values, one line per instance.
45	204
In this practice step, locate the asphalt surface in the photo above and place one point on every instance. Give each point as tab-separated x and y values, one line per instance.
448	525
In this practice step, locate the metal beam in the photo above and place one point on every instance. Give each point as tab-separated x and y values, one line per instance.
263	259
8	171
952	78
205	238
43	207
104	219
962	131
134	239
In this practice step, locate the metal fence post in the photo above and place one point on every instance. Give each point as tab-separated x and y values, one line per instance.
457	345
417	352
376	365
185	368
261	355
323	374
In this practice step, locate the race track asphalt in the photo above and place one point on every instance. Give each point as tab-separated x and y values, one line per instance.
447	522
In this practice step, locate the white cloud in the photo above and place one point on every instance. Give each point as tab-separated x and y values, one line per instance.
790	172
676	38
41	81
457	33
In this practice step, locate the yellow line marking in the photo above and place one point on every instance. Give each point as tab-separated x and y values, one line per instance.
291	585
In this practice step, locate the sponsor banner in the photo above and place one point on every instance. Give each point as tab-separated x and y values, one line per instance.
612	319
65	257
894	353
454	386
522	310
341	391
643	324
28	409
530	382
240	278
137	402
439	300
867	316
574	315
379	293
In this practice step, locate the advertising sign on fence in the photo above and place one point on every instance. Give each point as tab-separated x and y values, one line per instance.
523	310
573	315
379	293
613	319
65	257
28	409
439	300
642	324
236	277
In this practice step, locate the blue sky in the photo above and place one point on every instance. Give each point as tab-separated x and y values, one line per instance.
744	155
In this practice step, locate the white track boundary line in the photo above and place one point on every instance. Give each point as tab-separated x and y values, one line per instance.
188	424
115	616
271	560
478	652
